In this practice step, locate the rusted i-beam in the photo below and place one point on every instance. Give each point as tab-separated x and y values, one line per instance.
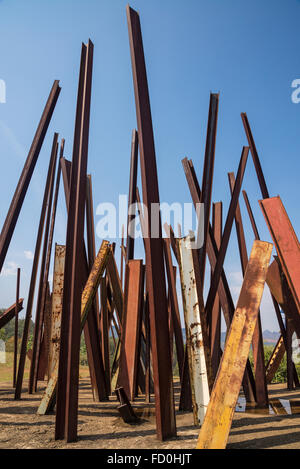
23	183
16	329
156	285
10	312
132	196
68	375
34	270
216	426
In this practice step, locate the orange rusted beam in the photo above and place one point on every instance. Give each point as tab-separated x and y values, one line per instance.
217	422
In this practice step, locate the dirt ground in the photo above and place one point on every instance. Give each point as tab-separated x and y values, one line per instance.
100	426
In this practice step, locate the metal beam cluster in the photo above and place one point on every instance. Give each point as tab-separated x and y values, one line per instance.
140	318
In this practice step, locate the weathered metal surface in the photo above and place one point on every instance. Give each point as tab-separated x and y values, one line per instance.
223	288
68	375
216	426
16	328
193	308
207	178
257	341
215	320
34	270
57	295
87	298
286	243
156	284
126	411
104	328
131	327
23	183
10	312
44	271
116	287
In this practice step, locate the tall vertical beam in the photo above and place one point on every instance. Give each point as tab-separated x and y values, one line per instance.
257	341
162	366
131	327
207	178
216	426
215	320
44	271
105	332
16	328
68	374
34	270
25	178
132	196
57	295
196	331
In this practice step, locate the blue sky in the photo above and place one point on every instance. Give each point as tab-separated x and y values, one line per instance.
247	51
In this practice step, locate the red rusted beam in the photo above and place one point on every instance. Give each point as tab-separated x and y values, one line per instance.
44	271
68	373
156	285
207	178
131	327
25	178
38	244
16	329
132	196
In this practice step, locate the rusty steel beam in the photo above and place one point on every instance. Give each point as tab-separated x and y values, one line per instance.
44	272
255	157
87	298
25	178
23	351
68	374
131	327
156	284
132	196
216	426
207	178
10	313
275	359
257	341
125	408
16	328
197	342
286	243
226	233
57	294
223	288
215	320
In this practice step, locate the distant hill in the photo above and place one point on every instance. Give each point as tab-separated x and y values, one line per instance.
269	337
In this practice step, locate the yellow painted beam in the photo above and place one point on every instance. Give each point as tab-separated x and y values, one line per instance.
218	418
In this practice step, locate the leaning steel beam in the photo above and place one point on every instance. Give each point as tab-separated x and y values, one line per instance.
223	289
194	317
68	374
207	178
156	284
20	192
16	328
275	360
131	327
10	313
286	243
257	341
34	270
226	233
87	298
216	426
44	272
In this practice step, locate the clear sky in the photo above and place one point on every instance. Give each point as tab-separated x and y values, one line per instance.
247	51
